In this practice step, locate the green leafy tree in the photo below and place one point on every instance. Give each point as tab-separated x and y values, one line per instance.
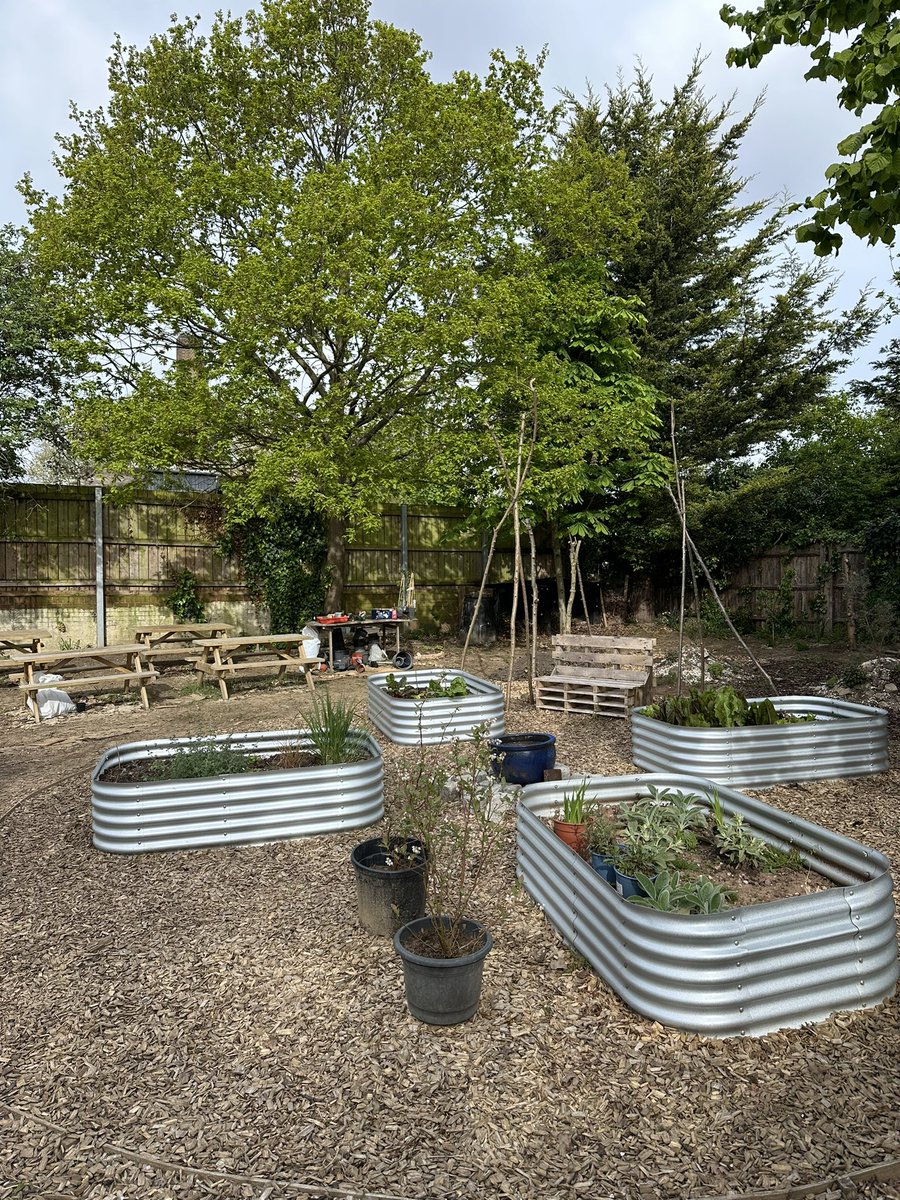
824	480
863	185
324	229
882	386
29	369
566	362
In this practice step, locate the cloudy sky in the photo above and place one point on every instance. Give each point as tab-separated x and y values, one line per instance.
54	51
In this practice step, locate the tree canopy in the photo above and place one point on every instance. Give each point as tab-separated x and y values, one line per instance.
863	185
363	268
29	369
320	224
739	334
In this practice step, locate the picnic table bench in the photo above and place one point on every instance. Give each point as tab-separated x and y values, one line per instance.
24	641
175	642
223	657
82	669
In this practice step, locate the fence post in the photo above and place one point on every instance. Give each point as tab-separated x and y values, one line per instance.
100	569
827	578
404	543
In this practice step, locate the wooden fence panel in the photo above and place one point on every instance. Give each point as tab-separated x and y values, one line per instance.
812	580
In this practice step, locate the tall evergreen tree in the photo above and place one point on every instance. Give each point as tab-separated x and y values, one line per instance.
740	334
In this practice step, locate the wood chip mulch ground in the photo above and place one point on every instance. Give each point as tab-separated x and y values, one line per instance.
216	1023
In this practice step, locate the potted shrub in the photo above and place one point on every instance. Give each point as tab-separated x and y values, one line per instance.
571	825
443	953
640	859
650	841
390	882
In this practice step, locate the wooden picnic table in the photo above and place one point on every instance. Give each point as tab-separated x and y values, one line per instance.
83	668
26	641
223	657
160	635
175	643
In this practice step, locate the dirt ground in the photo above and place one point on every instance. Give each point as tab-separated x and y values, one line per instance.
216	1024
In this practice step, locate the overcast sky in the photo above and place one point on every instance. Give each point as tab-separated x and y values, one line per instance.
54	51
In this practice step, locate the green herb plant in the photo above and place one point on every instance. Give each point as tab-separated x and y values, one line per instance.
203	762
330	730
600	833
719	708
437	689
668	892
573	805
735	842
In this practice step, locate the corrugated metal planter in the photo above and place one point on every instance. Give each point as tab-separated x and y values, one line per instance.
426	722
747	970
845	739
227	810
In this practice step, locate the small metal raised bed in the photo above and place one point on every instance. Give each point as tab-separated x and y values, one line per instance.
416	722
226	810
746	970
844	739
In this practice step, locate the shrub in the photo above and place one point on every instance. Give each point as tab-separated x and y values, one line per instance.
184	602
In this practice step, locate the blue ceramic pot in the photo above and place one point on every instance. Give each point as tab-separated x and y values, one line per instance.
627	885
523	757
604	866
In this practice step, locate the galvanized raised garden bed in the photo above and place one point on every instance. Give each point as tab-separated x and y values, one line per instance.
845	739
227	810
746	970
415	722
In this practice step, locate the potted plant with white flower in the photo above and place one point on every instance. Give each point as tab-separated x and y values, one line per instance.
452	812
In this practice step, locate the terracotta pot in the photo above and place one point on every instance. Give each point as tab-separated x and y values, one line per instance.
573	835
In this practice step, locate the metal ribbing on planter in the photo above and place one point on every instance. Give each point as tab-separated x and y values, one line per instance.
845	740
417	722
747	970
256	806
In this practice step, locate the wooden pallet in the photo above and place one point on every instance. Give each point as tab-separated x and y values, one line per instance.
590	697
597	676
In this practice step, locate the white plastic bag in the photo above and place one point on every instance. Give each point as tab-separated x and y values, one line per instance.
311	642
51	702
377	656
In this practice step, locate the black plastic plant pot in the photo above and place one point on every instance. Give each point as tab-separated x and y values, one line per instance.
442	991
523	757
387	897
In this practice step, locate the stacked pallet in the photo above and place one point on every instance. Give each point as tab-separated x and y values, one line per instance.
597	676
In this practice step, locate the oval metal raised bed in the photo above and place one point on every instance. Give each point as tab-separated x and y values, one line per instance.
844	740
226	810
747	970
427	722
